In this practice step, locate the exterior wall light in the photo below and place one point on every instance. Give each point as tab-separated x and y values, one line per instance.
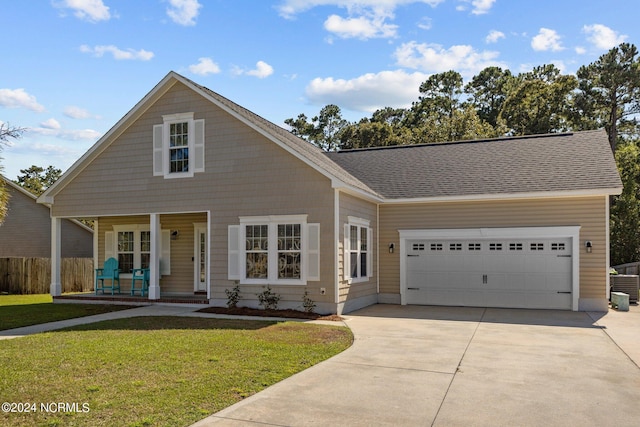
588	245
391	247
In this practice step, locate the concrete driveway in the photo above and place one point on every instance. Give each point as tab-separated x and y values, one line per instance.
443	366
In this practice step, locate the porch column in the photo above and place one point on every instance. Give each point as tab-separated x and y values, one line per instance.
56	256
154	263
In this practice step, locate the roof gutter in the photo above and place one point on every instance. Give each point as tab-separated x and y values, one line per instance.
502	196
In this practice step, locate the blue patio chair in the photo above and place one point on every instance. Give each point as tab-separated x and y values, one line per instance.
142	275
111	272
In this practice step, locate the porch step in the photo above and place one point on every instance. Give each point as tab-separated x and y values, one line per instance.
133	299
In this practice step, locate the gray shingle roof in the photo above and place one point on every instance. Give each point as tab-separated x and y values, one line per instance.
301	147
531	164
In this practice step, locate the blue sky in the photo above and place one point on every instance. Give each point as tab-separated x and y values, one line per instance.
73	68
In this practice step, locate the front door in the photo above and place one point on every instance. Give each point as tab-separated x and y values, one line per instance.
200	258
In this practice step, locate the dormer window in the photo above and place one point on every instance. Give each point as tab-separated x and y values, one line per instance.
178	146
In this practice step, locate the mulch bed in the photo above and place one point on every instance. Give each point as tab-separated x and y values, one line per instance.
293	314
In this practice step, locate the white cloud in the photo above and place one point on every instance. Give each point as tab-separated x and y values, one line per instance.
78	113
494	36
18	98
425	23
87	10
369	92
68	134
479	7
434	58
289	8
261	71
361	27
204	67
545	40
365	18
117	53
51	124
580	50
602	36
183	12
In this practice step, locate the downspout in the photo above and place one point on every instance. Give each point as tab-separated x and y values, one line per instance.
208	276
336	231
607	246
378	251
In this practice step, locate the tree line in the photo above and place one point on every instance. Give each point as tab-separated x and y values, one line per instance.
496	102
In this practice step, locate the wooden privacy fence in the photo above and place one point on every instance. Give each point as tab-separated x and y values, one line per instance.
33	275
631	268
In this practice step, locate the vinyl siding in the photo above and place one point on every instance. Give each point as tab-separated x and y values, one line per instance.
355	207
26	231
587	212
246	175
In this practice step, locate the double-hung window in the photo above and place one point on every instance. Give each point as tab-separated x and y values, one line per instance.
281	249
126	251
358	252
257	251
178	146
134	249
131	246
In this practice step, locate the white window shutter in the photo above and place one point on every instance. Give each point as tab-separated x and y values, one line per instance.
165	253
346	255
158	151
313	252
369	252
109	245
233	250
198	145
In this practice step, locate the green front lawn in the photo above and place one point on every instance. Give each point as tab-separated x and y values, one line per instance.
17	311
154	371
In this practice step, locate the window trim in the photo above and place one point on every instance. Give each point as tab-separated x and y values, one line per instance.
195	145
361	224
111	246
137	230
272	222
168	120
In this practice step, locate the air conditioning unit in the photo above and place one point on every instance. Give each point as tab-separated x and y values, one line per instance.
626	283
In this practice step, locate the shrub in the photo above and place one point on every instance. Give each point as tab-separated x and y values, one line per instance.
308	303
268	300
233	296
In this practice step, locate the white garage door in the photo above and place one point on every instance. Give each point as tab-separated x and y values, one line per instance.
495	272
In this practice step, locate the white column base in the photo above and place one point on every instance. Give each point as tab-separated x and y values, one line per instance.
154	292
55	289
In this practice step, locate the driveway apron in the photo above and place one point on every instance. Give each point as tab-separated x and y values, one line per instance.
450	366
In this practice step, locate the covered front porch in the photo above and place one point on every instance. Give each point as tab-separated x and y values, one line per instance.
174	249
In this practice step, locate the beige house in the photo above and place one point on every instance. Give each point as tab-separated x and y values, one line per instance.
209	195
26	230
